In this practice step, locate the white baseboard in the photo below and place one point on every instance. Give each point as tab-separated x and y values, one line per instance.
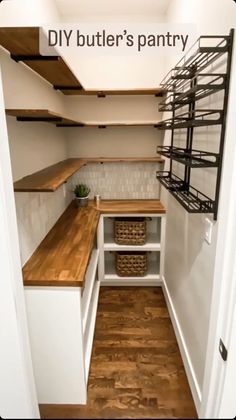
193	383
136	283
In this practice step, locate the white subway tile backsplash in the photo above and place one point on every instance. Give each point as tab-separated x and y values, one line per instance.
120	180
36	214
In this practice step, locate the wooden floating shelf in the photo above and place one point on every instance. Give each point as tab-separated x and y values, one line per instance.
108	124
40	115
44	115
23	45
159	92
156	159
49	179
52	177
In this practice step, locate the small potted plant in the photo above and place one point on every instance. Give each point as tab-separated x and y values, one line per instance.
81	192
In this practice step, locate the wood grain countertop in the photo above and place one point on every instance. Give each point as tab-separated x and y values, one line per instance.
63	256
129	206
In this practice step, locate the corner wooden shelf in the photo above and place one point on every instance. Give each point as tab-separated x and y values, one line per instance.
52	177
45	115
49	179
23	45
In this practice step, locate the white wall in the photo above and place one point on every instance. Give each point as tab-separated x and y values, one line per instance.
123	180
28	12
189	268
17	388
113	108
23	88
33	146
113	141
115	71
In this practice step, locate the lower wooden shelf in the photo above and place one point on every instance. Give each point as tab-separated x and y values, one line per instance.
52	177
45	115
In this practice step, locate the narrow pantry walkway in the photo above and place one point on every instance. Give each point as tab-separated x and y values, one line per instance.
136	369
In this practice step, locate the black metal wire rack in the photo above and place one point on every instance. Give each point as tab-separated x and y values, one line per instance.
191	80
194	158
204	85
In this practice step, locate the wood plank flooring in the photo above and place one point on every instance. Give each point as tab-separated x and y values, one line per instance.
136	369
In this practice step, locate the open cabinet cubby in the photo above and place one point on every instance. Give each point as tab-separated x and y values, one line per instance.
153	246
153	236
153	271
196	77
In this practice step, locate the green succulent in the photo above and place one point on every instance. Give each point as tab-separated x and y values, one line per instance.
81	190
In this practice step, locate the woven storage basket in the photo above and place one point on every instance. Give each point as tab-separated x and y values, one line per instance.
130	231
131	264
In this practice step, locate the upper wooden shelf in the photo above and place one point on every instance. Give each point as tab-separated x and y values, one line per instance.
106	124
159	92
23	45
36	115
51	178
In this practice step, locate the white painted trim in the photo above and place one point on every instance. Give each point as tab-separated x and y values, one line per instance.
193	383
163	243
89	285
91	328
149	246
135	282
100	242
17	389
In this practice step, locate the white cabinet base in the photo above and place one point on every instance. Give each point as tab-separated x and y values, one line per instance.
61	343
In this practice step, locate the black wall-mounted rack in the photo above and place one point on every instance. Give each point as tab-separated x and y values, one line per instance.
192	80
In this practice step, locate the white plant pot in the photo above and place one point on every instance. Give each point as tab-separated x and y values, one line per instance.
82	201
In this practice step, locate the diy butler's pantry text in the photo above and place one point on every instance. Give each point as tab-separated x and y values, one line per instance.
104	39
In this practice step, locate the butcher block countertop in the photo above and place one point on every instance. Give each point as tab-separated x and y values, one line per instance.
63	256
130	206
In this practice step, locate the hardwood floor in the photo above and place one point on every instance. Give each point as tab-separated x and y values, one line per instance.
136	369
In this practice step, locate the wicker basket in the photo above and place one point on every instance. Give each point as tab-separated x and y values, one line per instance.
131	264
130	231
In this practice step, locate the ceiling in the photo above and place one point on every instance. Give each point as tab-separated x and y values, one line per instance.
73	9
